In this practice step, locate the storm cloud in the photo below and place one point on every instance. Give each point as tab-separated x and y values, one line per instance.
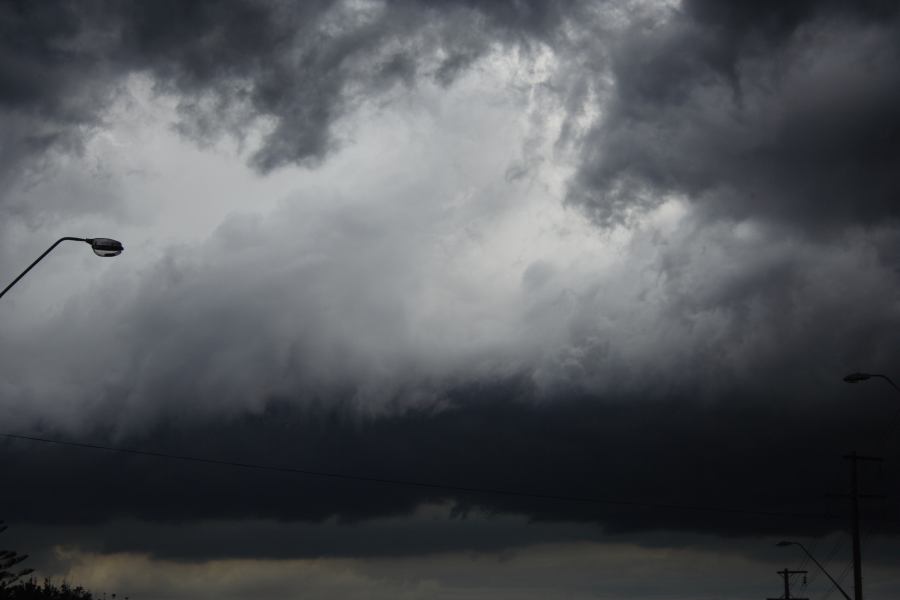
616	252
290	68
781	112
625	468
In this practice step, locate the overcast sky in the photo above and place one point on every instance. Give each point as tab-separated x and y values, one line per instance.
609	260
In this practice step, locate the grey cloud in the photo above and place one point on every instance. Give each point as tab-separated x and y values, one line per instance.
53	80
786	112
716	306
291	69
309	305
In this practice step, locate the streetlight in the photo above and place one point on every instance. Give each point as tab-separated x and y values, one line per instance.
818	564
104	247
860	377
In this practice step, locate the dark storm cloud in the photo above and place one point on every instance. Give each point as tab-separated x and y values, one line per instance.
777	111
771	456
690	373
784	111
291	68
52	83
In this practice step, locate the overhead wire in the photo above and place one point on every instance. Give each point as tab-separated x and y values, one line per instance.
840	580
804	563
839	544
422	484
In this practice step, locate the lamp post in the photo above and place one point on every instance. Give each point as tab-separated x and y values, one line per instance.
104	247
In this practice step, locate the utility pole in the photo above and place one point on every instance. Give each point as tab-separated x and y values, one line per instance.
787	584
854	499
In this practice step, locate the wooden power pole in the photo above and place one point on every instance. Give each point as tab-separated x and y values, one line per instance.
854	499
787	584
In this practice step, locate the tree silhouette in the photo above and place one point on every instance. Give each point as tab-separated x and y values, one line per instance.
31	590
14	587
9	559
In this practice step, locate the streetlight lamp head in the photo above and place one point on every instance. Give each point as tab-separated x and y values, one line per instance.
857	377
105	247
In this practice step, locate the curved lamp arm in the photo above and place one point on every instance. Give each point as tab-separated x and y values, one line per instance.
101	247
858	377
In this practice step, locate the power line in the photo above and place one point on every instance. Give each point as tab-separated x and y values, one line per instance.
837	547
889	431
805	562
840	579
423	484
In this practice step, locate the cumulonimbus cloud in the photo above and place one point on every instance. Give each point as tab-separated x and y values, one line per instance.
720	139
293	67
783	112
